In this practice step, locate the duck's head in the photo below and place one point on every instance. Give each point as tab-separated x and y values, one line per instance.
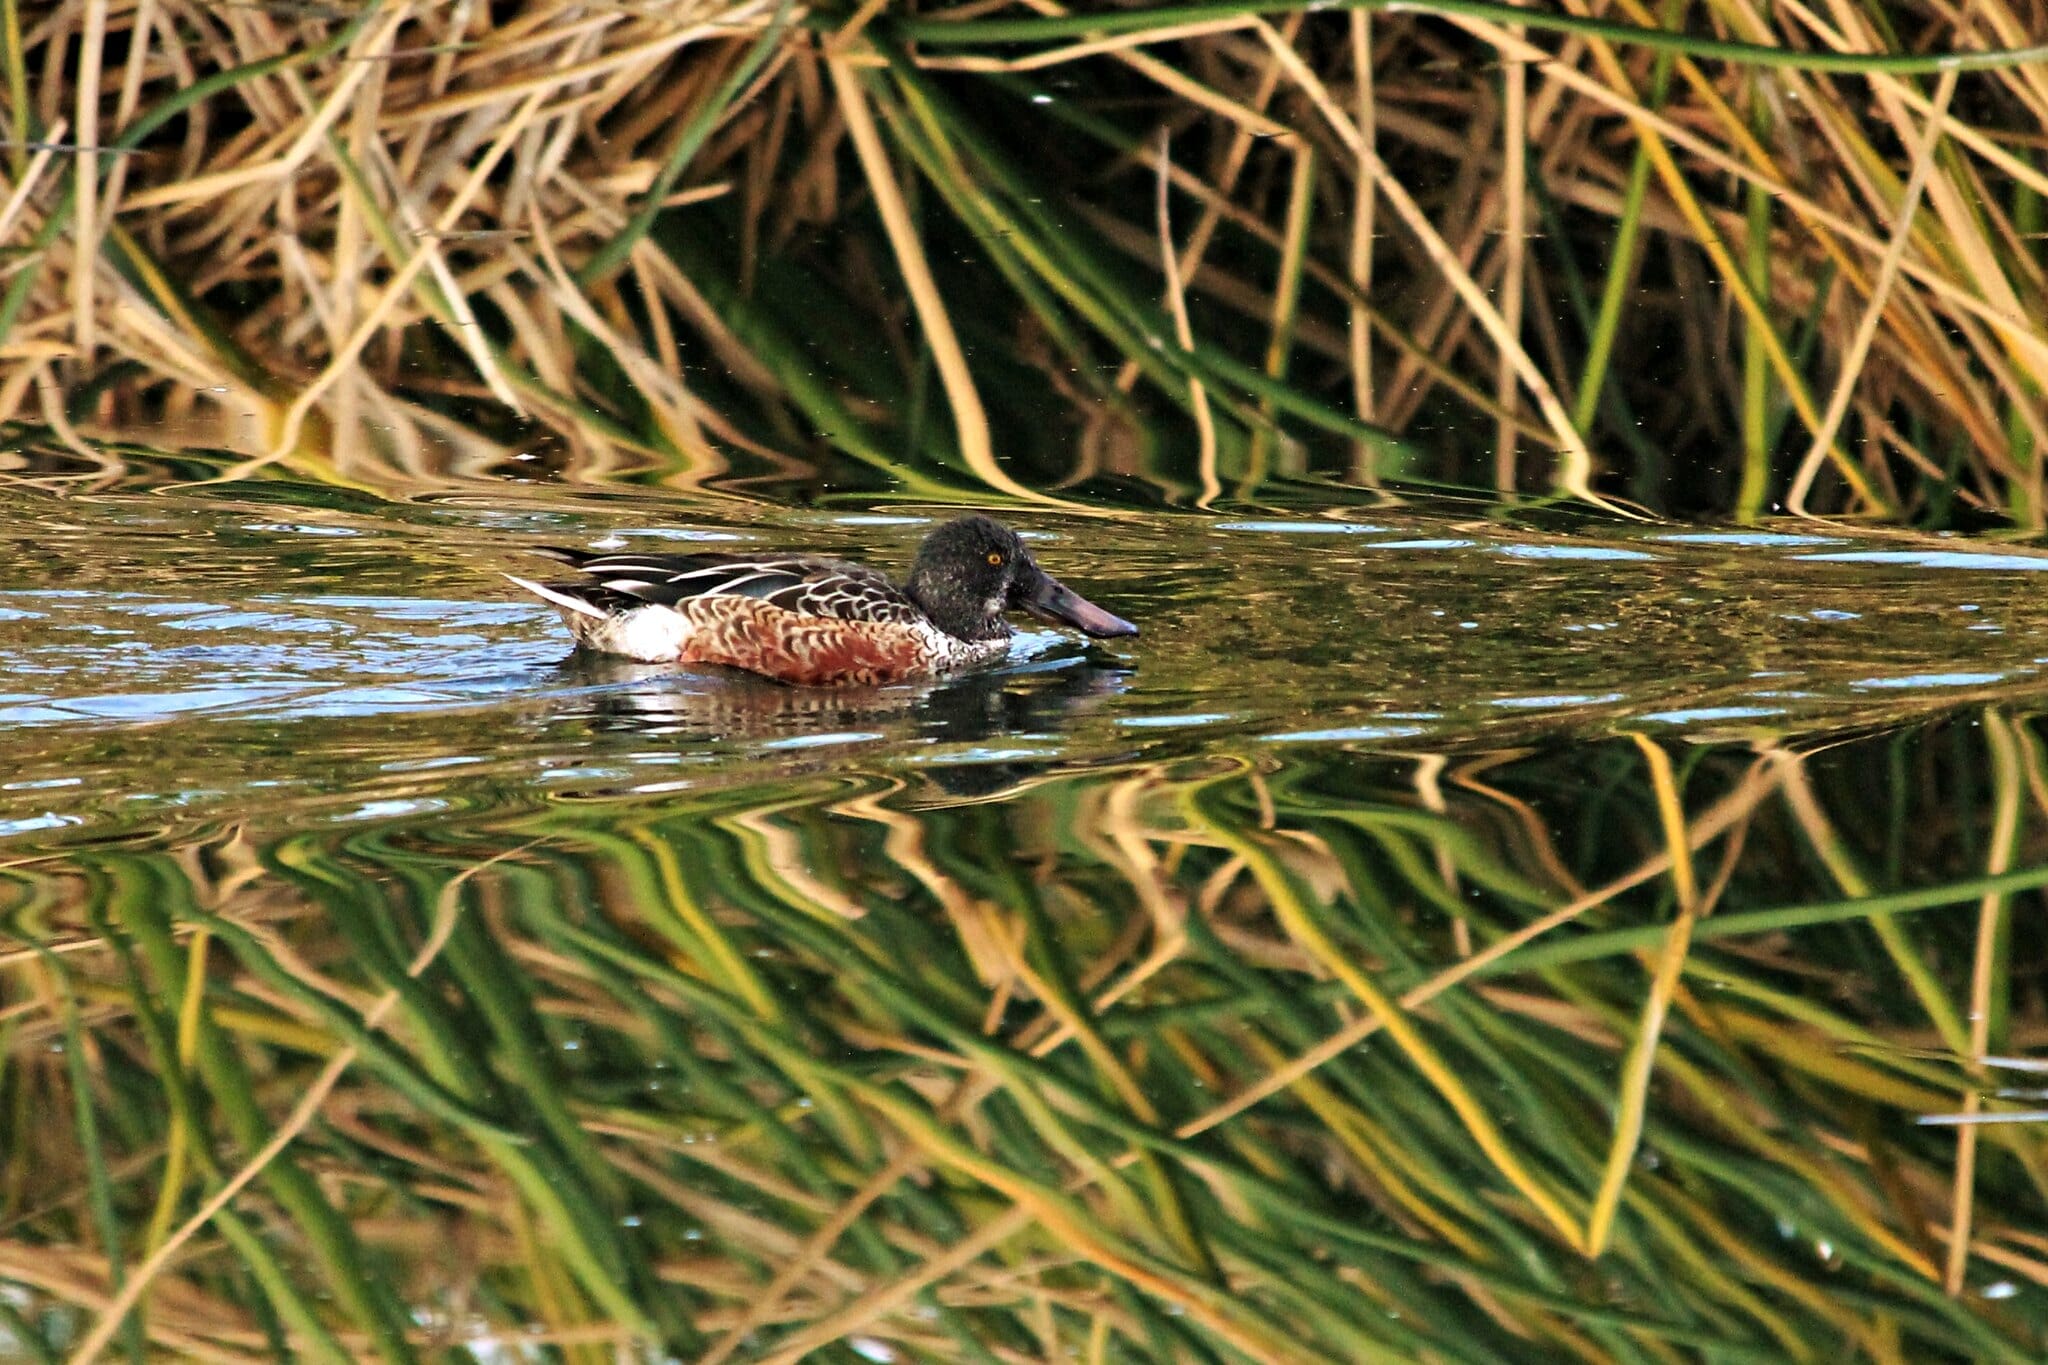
969	572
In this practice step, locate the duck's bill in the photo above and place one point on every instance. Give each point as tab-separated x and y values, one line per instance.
1057	604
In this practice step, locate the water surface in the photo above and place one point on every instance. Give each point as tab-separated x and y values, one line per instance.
1306	978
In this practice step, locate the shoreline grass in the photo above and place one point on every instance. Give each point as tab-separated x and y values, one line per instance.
1754	258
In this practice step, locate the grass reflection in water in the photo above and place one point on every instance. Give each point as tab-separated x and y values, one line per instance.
1313	980
1195	1052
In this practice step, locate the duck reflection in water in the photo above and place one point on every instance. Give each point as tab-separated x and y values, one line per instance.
1040	696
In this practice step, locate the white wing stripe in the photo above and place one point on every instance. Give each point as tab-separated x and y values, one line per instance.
732	586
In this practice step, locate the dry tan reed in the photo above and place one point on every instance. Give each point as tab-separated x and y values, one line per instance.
417	239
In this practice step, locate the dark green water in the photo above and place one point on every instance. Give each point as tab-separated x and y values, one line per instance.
625	1012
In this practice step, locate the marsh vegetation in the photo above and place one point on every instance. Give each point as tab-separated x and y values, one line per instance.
1471	923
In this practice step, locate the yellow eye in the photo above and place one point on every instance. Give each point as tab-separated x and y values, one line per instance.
995	557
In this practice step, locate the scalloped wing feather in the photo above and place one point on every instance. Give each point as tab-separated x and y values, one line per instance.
804	584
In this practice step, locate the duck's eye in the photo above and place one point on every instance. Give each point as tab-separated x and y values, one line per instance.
995	557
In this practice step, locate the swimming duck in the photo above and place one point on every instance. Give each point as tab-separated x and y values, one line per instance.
818	622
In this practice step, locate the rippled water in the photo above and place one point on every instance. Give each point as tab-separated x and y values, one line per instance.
1395	624
1036	1014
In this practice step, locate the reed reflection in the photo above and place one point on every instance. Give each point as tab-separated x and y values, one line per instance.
1303	1052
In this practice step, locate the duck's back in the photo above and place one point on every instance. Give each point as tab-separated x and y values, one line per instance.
799	619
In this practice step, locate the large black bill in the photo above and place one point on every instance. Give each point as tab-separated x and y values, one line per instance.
1055	602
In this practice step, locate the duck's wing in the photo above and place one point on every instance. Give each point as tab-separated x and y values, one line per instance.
805	584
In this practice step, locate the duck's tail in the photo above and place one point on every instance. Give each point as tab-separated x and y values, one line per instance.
563	598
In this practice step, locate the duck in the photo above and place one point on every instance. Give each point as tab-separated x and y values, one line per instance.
814	621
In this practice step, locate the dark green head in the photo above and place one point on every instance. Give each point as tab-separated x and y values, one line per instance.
969	572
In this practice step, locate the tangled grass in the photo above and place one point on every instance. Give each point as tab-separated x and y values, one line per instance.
1717	255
